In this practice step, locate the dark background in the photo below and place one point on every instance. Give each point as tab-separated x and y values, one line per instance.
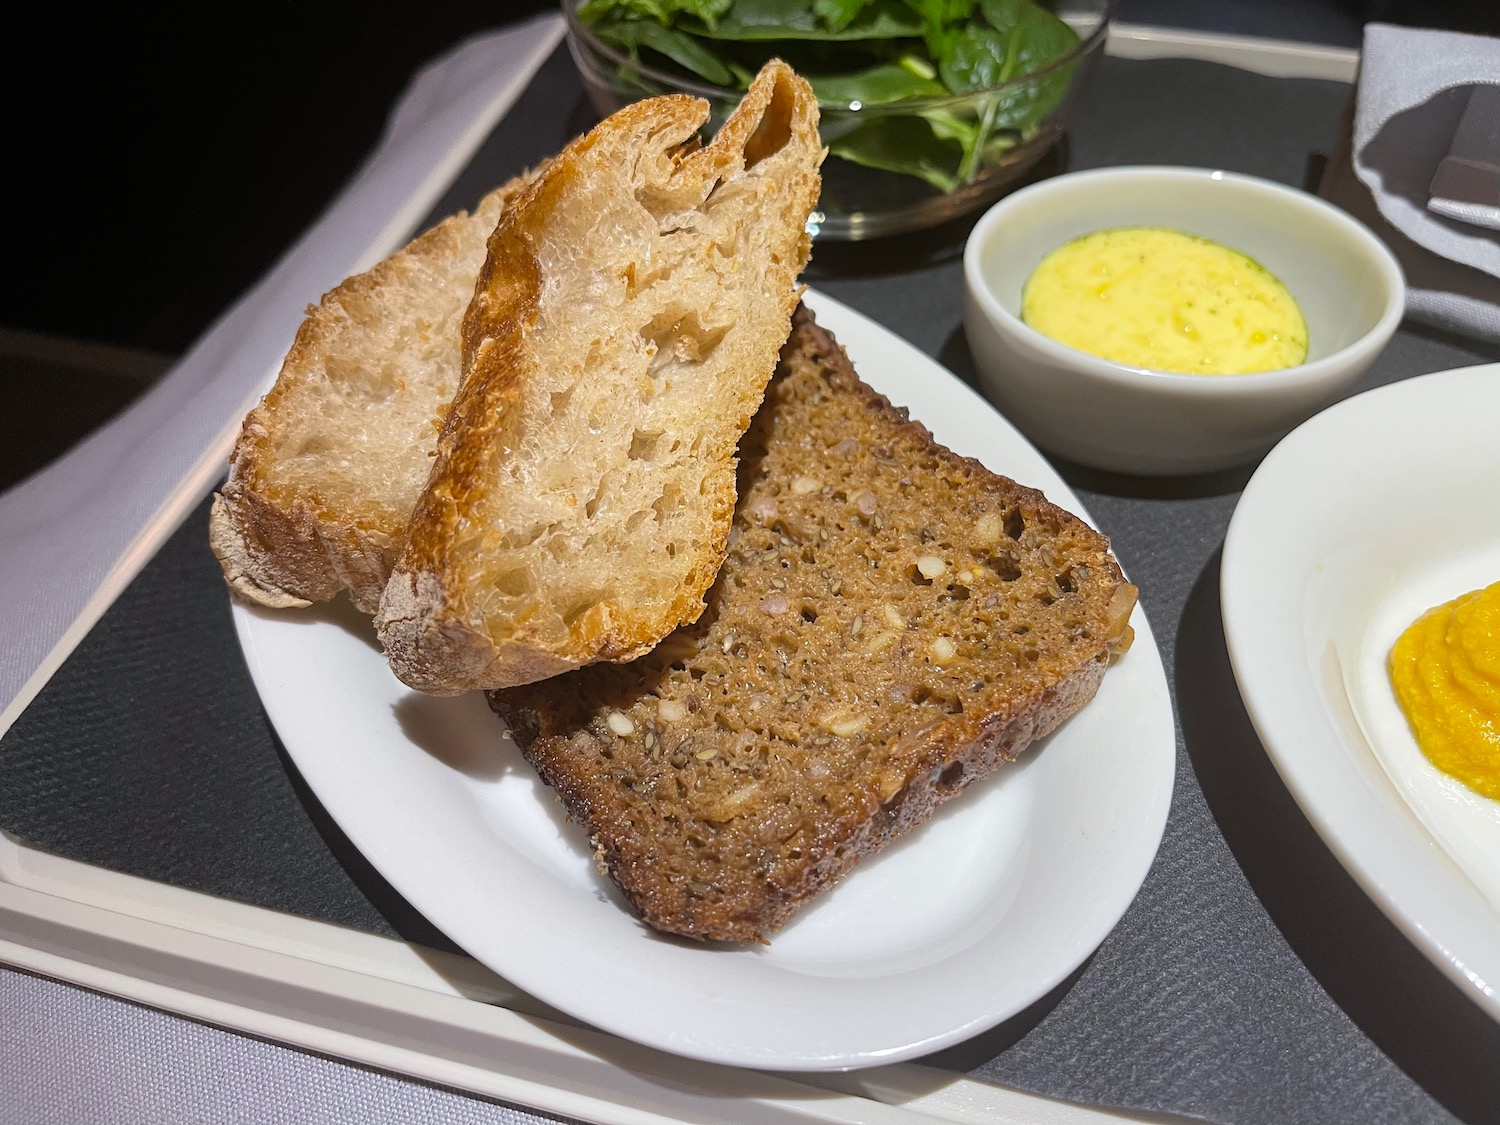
166	160
161	161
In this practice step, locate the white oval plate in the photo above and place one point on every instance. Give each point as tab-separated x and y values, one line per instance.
943	935
1361	519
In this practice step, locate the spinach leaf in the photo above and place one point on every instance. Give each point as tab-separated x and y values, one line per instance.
940	21
950	126
977	57
1039	38
889	82
1043	37
752	20
939	13
838	14
1004	15
661	11
902	144
1022	38
743	75
682	48
1027	104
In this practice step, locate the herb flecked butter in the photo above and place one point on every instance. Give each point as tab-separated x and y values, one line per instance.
1166	301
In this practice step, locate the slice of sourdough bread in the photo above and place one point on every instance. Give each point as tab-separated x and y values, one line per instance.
328	467
624	327
892	623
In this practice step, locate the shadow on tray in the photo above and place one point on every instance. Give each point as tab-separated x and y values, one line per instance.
402	917
1385	985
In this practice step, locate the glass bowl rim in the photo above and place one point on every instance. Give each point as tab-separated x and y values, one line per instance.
580	31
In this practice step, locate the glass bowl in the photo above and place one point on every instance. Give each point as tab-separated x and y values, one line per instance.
959	152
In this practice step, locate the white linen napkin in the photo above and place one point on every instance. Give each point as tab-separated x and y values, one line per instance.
1415	87
74	535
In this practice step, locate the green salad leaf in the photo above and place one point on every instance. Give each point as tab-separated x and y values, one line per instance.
838	14
907	145
767	21
1004	15
1039	36
977	57
662	11
879	85
940	22
682	48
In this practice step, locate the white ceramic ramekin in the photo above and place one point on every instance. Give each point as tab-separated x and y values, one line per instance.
1130	419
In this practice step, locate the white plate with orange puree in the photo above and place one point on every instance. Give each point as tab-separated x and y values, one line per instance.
1359	522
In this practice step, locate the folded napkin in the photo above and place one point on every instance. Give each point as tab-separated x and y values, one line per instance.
1421	118
73	536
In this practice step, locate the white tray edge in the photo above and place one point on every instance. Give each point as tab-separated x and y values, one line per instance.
426	1014
1276	58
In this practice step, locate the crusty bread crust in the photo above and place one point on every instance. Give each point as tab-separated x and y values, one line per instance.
834	695
285	537
584	482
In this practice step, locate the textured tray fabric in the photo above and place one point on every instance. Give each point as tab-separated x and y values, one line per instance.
1251	981
74	1056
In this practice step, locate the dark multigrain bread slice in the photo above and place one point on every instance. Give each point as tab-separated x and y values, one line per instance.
892	623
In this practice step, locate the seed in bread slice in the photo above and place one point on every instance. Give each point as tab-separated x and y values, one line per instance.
892	623
329	465
625	325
